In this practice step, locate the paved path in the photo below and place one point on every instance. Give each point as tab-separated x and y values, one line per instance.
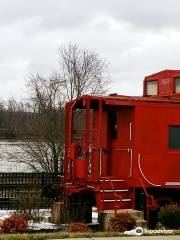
164	237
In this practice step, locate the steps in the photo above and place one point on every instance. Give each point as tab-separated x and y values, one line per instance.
138	215
113	194
107	214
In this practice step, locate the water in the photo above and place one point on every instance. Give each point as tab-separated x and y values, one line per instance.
11	157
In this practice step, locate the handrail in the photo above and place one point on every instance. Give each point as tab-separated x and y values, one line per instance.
145	191
116	196
148	196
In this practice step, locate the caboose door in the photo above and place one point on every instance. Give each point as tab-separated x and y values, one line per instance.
120	142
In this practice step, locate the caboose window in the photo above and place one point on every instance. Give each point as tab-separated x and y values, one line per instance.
177	86
151	87
174	137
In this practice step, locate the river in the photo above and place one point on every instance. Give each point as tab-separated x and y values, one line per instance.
11	156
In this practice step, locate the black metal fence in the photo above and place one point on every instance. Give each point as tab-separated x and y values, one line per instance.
25	190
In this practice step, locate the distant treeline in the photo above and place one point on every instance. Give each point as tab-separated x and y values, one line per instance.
13	125
21	125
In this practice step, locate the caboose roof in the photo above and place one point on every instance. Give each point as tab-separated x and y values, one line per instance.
126	100
136	99
115	99
165	72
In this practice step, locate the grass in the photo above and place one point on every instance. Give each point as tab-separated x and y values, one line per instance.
60	235
57	235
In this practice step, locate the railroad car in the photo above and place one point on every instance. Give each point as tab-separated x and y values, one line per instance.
123	152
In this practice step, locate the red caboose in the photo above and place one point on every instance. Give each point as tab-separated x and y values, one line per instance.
123	152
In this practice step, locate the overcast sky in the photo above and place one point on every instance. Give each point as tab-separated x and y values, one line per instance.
137	38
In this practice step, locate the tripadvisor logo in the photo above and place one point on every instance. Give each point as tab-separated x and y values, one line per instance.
136	232
140	231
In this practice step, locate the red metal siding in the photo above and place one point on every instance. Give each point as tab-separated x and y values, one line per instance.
120	147
159	164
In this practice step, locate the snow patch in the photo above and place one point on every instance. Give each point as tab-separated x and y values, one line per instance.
41	225
45	213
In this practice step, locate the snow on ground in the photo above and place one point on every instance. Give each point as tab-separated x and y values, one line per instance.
94	215
45	213
41	225
5	214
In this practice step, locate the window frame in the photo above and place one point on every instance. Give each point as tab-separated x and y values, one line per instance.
152	80
175	78
169	139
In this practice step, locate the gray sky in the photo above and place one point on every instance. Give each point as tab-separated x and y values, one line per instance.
137	38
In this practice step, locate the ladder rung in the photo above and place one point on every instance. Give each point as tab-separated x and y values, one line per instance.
112	180
118	200
116	190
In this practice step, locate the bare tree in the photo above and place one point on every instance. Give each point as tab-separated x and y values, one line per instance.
44	149
81	71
